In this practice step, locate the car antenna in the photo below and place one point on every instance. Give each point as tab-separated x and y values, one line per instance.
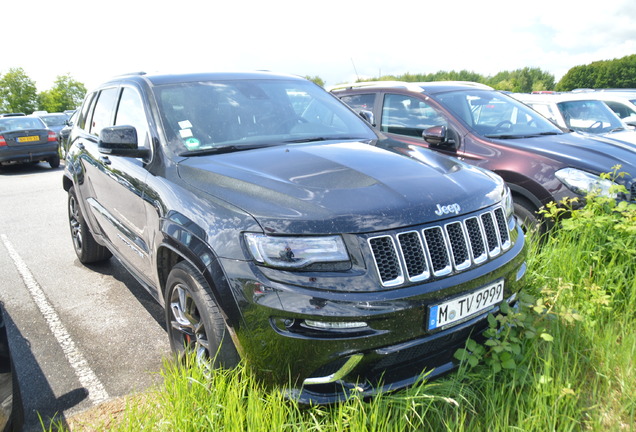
355	70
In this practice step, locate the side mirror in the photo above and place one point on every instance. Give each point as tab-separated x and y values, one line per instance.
368	116
121	141
438	136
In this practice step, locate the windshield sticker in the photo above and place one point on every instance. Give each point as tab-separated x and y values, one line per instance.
192	143
185	124
185	133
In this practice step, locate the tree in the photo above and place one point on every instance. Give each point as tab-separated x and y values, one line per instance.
316	79
66	94
17	92
523	80
520	80
617	73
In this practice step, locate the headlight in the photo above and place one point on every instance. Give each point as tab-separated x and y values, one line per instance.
509	207
296	252
583	182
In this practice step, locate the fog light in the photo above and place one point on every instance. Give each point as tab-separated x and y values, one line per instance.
335	325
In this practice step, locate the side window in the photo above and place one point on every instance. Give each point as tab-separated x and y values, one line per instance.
360	102
103	114
85	110
620	109
405	115
131	112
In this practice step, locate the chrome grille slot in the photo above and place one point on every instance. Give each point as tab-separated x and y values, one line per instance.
458	246
502	227
476	238
438	251
492	238
386	260
412	250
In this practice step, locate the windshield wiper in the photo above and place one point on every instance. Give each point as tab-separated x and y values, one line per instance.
321	138
618	129
509	136
223	149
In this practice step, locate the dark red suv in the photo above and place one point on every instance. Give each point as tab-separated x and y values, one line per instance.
539	162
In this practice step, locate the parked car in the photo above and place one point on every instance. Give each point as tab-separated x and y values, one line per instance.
580	112
11	409
27	139
65	132
472	122
622	102
276	226
55	122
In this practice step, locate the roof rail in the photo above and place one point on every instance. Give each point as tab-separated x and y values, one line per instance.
363	84
413	86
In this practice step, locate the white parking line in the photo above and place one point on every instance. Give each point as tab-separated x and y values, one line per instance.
96	391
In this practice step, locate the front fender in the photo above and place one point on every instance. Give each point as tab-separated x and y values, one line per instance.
184	240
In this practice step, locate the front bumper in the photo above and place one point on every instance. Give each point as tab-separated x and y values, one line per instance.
391	351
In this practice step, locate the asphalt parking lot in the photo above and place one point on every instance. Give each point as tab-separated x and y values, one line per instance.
79	336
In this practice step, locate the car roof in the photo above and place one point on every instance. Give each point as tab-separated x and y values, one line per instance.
555	98
419	87
156	79
611	95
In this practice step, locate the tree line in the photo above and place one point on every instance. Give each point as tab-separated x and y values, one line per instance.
18	92
617	73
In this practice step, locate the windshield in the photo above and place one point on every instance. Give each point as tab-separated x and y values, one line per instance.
55	120
496	115
20	123
230	114
592	116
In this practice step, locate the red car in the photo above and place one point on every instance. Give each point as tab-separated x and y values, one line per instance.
539	161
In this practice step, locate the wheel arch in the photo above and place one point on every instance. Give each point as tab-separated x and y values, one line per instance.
204	260
67	182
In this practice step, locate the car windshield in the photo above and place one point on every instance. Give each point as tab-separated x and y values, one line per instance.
592	116
235	114
496	115
20	123
54	120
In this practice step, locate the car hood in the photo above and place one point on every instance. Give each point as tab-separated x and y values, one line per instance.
627	136
340	187
592	153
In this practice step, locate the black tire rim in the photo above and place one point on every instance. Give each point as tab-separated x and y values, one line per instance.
188	329
74	221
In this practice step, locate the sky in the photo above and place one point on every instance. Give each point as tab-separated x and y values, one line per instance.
339	41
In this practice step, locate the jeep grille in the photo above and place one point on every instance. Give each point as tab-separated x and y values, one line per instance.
438	251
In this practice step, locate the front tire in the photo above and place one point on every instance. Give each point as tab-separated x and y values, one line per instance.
194	321
527	216
86	248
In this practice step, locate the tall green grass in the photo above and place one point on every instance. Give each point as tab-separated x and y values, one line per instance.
562	361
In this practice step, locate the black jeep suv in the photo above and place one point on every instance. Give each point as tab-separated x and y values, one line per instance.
276	226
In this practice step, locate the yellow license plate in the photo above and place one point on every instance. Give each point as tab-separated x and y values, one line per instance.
28	139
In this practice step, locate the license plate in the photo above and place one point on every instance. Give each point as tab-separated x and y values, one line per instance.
28	139
463	307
